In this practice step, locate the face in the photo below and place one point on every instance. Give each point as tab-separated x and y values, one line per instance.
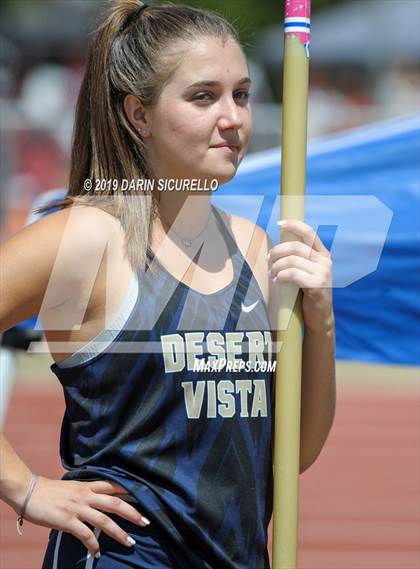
205	105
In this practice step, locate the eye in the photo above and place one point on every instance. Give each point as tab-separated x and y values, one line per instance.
206	96
202	96
244	95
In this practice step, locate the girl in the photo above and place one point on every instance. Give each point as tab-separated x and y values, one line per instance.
152	302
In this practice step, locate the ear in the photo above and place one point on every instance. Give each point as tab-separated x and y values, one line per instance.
137	115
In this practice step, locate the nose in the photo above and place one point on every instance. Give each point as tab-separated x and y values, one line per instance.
230	115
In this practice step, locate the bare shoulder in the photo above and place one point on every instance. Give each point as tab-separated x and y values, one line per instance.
64	238
254	243
66	242
81	221
251	237
85	224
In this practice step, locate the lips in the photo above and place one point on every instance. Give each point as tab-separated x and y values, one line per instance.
227	146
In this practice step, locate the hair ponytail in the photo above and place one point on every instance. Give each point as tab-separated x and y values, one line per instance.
133	52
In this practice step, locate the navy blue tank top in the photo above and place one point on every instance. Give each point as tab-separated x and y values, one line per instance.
178	410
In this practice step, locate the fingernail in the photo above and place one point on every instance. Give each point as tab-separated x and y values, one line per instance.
269	272
145	521
274	279
282	222
268	257
97	556
131	541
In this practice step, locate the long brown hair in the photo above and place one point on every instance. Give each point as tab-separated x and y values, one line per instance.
131	53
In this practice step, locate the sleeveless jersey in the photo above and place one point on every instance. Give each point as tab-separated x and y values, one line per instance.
178	411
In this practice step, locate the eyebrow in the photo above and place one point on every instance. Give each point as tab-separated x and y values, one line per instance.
207	83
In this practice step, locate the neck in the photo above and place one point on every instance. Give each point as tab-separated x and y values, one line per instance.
185	212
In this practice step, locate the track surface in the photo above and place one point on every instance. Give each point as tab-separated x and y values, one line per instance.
359	502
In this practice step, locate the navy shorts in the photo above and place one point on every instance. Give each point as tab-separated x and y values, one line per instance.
151	551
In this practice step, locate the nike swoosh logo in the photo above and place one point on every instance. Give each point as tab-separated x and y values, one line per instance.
250	307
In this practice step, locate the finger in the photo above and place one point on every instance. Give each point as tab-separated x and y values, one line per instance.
106	524
293	261
306	232
85	535
106	487
301	278
290	248
117	506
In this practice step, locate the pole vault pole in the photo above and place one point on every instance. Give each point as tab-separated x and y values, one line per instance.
289	320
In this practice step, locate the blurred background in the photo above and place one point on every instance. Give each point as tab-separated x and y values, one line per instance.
360	505
364	68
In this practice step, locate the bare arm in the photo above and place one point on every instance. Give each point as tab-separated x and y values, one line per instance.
307	263
15	476
318	390
27	262
318	387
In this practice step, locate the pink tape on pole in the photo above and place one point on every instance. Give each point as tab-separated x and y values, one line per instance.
298	19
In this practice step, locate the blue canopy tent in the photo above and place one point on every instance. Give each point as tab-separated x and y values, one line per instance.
363	198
